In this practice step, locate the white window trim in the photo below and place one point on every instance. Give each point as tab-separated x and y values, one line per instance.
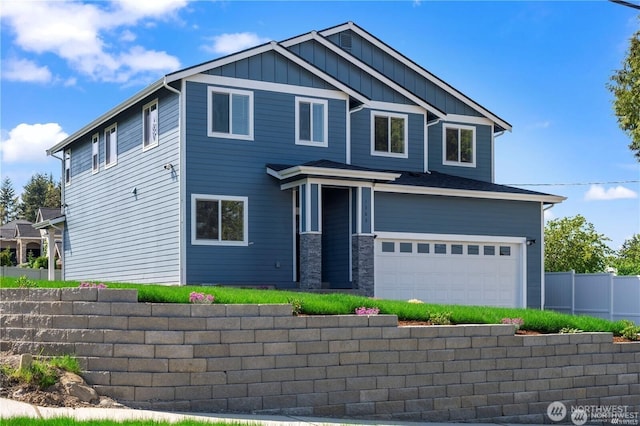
95	146
444	145
325	124
67	167
405	117
144	109
208	197
212	134
107	140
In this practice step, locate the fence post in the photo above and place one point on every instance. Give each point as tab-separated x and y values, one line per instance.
573	292
610	297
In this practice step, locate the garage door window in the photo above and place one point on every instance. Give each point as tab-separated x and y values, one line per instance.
456	248
388	247
505	251
489	250
440	248
423	248
406	247
473	249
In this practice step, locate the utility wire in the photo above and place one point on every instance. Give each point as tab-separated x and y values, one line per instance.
574	184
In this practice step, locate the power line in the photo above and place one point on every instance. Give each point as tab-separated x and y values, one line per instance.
574	183
626	3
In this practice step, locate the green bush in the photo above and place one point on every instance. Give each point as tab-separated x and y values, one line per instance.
6	257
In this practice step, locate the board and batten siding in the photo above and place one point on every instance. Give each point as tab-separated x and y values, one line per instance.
427	214
402	74
231	167
112	233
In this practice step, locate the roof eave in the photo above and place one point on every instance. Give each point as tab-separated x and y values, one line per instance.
296	171
107	116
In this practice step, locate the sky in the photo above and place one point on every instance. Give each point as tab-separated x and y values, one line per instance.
541	66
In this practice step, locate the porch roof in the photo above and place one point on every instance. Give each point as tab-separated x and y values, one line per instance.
329	169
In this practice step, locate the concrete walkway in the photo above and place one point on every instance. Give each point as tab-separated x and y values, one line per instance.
10	408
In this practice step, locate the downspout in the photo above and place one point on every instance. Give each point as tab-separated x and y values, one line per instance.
51	235
542	276
182	246
348	147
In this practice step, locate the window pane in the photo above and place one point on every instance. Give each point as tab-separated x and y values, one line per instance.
318	123
505	251
406	247
207	219
440	248
220	118
305	121
388	247
456	248
489	250
240	109
473	249
397	135
466	146
452	145
381	134
423	248
232	220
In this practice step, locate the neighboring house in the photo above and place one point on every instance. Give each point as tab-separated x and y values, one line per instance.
20	237
325	161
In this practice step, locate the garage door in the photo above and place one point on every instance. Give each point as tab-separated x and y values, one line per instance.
450	272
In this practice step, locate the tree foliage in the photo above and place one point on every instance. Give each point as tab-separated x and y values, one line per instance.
628	260
40	191
8	202
625	86
572	243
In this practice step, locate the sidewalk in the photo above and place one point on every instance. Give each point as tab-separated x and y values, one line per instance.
10	408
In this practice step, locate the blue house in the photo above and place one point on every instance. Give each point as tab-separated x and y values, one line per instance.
325	161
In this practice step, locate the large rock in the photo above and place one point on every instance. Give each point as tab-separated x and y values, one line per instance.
75	385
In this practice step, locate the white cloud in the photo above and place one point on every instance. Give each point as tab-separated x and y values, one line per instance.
598	192
231	43
549	215
24	70
78	33
29	142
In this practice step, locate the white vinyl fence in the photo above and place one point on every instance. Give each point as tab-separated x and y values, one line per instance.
33	274
599	295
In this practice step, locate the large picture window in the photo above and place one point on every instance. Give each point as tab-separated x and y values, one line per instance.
230	113
389	134
111	146
459	145
219	220
311	122
150	125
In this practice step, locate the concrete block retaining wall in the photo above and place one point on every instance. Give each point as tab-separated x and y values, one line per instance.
260	358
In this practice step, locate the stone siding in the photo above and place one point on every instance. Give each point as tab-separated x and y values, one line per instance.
261	359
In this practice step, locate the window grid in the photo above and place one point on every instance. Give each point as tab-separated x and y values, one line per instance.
150	126
95	153
111	146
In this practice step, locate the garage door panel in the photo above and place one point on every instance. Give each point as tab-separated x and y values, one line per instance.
469	273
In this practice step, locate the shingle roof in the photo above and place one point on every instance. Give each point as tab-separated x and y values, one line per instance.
24	230
8	230
47	213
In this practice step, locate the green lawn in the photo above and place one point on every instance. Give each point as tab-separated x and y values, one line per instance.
67	421
340	304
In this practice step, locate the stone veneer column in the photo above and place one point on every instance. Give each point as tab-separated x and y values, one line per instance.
310	261
362	263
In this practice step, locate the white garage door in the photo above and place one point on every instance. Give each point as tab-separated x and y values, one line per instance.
449	272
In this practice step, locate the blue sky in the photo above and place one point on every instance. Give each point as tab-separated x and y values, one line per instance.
542	66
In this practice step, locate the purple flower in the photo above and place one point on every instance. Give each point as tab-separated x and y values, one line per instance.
201	298
367	311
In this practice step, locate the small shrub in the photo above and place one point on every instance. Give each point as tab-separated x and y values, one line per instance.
440	318
416	301
363	310
569	330
24	282
66	362
6	257
630	330
201	298
40	262
296	306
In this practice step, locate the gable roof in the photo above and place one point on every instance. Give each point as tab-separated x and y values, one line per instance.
47	213
8	230
419	69
279	48
26	230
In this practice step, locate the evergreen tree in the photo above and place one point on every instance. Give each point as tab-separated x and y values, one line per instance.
8	202
40	191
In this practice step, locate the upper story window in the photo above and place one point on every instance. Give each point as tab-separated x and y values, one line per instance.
150	125
111	146
389	134
230	113
312	122
67	167
219	220
459	145
95	153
